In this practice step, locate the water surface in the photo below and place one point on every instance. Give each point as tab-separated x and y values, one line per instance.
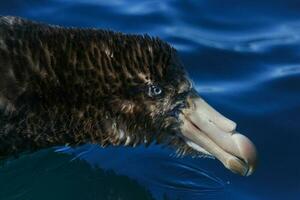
243	58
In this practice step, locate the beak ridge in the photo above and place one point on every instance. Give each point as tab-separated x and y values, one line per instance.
207	129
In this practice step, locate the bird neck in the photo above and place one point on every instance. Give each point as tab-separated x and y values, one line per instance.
31	130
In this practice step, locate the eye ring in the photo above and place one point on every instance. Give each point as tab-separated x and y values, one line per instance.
154	90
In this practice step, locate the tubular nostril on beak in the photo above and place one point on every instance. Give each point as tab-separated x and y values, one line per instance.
214	116
230	126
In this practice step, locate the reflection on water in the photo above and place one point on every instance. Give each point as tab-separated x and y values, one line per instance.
49	176
243	57
252	42
155	169
286	71
249	83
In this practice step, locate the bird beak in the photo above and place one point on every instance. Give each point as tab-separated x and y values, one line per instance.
207	131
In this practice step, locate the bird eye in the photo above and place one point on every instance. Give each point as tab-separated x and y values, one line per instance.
191	84
154	90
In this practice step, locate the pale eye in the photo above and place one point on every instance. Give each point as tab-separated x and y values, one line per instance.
191	84
154	90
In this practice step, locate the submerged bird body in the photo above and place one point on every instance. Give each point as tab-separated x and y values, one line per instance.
69	86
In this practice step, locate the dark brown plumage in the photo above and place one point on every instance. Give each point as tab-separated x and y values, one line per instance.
72	86
69	86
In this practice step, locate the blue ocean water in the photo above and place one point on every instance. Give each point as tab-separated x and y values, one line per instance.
243	57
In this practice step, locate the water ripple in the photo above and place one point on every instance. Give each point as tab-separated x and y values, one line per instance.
154	170
243	56
248	83
258	41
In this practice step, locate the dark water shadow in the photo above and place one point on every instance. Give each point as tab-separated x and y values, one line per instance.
157	169
48	175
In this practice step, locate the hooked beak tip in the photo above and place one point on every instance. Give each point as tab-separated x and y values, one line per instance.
238	166
207	129
245	163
